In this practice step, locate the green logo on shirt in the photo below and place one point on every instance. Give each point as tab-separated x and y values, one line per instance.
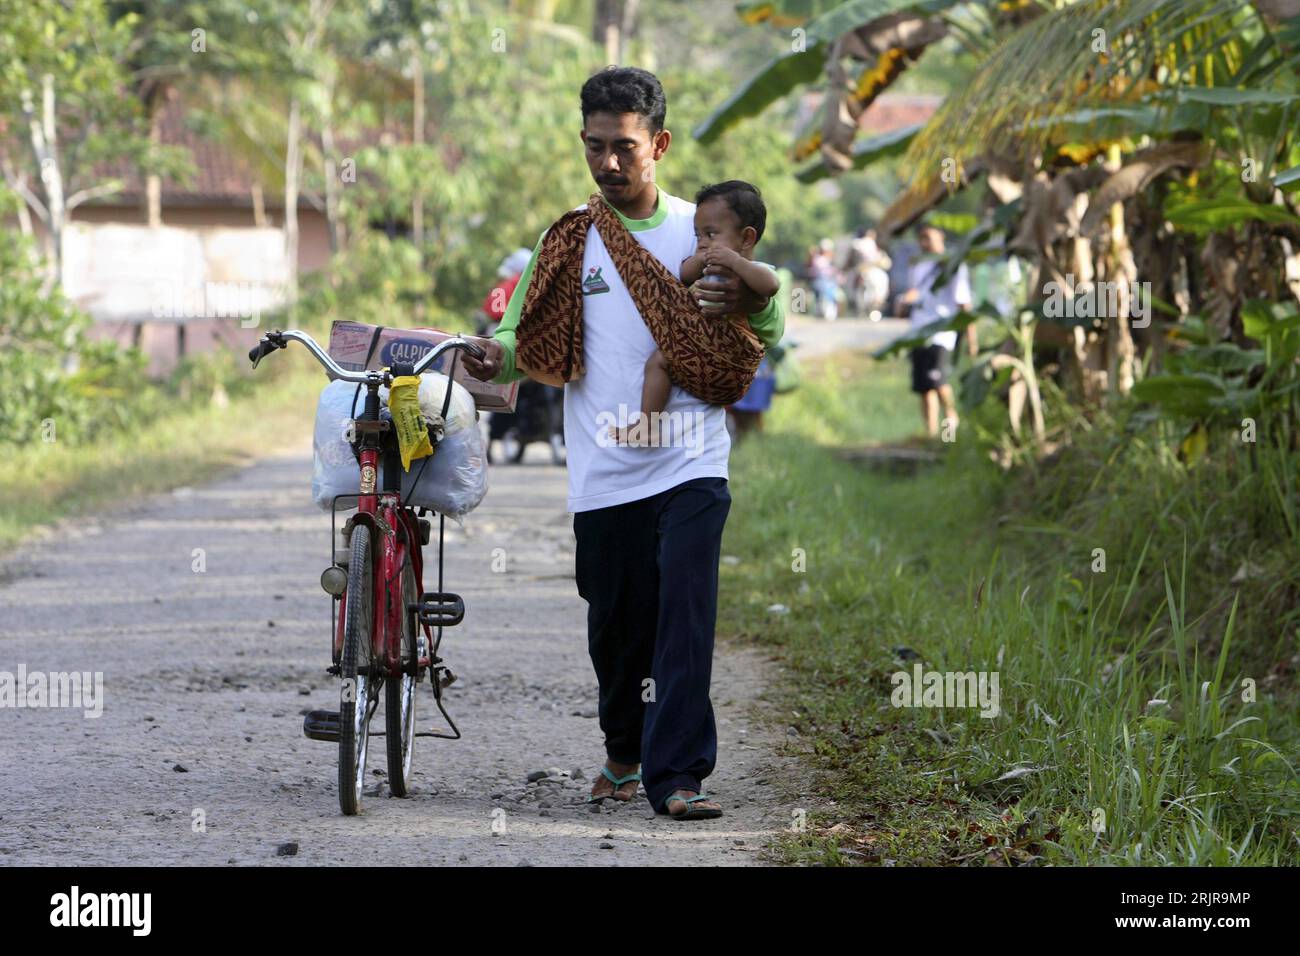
594	284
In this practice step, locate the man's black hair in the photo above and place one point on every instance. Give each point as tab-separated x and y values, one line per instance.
742	199
626	89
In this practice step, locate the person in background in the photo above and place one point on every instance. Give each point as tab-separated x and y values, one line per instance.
544	416
902	253
824	278
865	249
868	274
508	273
746	415
932	362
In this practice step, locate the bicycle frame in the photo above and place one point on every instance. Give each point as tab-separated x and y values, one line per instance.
394	527
394	531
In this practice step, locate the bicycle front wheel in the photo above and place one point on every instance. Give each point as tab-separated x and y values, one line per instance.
359	694
399	703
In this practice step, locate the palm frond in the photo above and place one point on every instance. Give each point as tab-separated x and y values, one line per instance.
1083	54
783	14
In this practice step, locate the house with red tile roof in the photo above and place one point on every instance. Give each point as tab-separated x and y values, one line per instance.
204	277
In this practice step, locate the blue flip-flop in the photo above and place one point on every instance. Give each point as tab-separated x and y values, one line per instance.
693	813
616	781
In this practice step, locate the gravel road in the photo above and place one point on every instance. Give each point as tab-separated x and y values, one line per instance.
209	659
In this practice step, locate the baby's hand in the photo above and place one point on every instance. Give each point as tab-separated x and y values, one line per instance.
722	256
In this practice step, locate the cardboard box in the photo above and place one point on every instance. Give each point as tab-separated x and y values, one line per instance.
351	346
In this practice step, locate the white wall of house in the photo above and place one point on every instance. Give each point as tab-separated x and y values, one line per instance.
133	280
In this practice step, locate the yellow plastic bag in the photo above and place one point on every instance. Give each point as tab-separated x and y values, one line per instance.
412	433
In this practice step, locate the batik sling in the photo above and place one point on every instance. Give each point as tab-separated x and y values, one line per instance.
714	358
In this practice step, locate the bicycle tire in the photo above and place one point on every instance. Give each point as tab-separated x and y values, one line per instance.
399	697
357	673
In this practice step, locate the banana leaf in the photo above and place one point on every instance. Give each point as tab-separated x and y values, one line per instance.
1288	180
790	70
1221	358
1261	319
1210	215
954	223
857	13
808	133
915	338
866	152
1124	122
780	13
980	379
1192	395
1226	96
773	81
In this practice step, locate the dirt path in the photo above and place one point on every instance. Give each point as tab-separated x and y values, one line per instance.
199	758
817	338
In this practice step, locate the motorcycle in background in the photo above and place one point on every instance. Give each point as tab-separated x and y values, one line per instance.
538	417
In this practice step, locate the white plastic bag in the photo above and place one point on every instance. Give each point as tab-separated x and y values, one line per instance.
334	468
453	481
461	413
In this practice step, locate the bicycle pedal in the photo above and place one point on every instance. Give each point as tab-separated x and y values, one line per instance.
439	609
322	725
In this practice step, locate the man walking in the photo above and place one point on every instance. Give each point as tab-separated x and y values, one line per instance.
932	362
648	520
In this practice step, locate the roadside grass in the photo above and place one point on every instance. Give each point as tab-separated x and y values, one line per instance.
1146	713
180	439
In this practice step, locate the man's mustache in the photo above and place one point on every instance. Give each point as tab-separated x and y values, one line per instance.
611	180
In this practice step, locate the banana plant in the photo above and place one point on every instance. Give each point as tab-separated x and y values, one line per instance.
1142	140
874	149
1215	385
996	366
877	39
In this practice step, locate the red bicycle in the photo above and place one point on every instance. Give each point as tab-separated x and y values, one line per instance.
382	619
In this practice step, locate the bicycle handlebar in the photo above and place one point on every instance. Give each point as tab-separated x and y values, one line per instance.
278	340
261	350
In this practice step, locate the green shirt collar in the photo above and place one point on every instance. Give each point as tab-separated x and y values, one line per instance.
656	217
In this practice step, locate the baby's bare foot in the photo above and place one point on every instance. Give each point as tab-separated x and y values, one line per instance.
635	436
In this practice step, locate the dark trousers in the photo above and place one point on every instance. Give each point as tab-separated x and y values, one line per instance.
648	571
